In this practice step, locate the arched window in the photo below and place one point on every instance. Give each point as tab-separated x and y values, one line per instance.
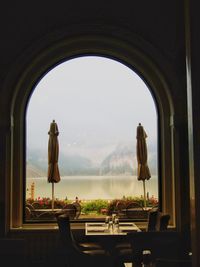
43	60
97	103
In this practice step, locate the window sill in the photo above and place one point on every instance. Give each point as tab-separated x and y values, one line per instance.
43	227
53	227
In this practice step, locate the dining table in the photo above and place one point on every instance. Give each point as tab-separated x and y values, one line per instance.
110	235
104	229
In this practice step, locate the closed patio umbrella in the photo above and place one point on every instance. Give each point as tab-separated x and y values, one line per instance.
143	169
53	151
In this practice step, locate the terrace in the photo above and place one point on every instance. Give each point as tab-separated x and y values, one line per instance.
126	208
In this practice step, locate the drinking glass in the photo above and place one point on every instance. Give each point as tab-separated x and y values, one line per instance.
116	225
110	225
113	217
107	219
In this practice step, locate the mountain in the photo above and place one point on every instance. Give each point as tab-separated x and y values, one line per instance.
120	161
33	172
76	165
37	164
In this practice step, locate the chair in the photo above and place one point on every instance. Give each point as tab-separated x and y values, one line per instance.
166	245
30	206
36	205
135	211
78	209
29	214
121	209
152	220
151	226
46	215
162	222
81	245
70	210
76	257
156	222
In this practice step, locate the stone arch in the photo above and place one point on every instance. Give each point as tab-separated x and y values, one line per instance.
53	49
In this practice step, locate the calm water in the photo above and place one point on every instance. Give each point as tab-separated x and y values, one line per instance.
93	187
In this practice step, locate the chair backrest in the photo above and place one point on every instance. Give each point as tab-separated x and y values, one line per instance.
27	213
134	205
78	209
70	210
120	206
65	233
152	220
46	215
71	252
162	222
157	221
30	206
134	210
36	205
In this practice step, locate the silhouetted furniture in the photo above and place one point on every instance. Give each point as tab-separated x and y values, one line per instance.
70	210
82	245
73	254
36	205
173	263
135	211
46	215
162	222
156	222
151	226
30	206
167	245
78	209
152	220
120	209
32	213
29	212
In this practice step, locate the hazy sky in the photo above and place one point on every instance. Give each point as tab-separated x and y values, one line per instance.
97	104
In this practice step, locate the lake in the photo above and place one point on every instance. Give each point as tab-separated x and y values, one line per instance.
93	187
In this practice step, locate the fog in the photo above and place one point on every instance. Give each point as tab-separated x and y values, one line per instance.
97	104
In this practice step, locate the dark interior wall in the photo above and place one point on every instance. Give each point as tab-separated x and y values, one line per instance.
25	22
160	24
193	89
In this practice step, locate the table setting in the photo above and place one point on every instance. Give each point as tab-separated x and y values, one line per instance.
111	226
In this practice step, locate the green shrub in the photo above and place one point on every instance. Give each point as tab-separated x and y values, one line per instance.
94	206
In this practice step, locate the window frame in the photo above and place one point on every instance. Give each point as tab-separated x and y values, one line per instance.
41	60
25	134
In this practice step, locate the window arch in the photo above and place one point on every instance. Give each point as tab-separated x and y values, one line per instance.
70	47
97	103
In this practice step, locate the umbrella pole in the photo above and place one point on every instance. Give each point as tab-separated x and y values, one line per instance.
52	196
145	204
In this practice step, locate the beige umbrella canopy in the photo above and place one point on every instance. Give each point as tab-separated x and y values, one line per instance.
53	152
143	169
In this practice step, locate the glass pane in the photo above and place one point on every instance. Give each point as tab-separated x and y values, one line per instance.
97	104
